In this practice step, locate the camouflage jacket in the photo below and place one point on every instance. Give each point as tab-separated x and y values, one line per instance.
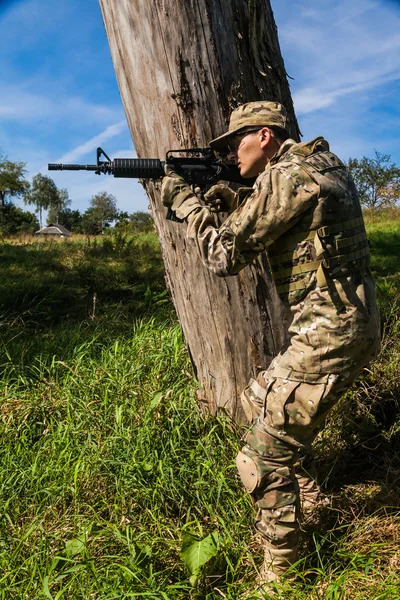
305	213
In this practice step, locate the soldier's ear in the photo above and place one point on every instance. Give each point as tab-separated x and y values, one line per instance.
266	135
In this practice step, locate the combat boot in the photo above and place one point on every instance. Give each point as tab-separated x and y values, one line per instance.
275	569
277	561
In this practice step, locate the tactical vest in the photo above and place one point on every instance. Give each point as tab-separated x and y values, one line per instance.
337	248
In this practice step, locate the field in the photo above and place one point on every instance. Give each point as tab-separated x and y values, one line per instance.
108	473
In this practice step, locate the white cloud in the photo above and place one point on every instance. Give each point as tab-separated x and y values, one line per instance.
308	100
336	49
83	149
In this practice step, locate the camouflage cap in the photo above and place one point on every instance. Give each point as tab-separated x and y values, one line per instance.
262	113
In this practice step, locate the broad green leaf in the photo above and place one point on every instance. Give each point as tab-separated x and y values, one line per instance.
75	546
195	553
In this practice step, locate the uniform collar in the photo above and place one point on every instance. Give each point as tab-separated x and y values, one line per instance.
303	148
286	146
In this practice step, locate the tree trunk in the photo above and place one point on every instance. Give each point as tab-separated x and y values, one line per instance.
181	68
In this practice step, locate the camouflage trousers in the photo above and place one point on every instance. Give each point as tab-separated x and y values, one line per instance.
286	417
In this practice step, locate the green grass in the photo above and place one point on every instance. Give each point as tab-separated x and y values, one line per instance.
383	228
106	462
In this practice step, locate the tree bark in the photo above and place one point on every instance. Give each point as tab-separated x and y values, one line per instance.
181	68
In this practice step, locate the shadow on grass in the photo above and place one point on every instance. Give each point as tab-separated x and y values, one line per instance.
48	282
55	296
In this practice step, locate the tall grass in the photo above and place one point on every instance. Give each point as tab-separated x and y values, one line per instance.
106	463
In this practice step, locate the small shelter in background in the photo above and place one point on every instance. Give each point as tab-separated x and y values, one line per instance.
54	230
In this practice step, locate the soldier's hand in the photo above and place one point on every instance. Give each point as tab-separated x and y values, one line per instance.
221	198
172	185
177	195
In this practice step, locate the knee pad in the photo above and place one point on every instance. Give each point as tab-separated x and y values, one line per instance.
267	482
248	471
266	468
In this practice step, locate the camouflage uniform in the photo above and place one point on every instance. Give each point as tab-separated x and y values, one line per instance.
305	213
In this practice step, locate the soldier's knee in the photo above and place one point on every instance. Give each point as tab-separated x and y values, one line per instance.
267	481
248	471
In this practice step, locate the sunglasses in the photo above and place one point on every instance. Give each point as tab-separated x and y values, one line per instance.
234	143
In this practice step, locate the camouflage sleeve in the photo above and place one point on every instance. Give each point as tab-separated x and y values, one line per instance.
280	197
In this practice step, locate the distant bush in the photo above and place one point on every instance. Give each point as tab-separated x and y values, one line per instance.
14	220
137	222
382	214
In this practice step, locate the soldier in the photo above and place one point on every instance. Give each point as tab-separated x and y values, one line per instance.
304	212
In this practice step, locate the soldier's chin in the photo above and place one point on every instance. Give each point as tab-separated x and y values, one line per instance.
245	172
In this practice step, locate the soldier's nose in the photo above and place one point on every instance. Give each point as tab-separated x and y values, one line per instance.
232	156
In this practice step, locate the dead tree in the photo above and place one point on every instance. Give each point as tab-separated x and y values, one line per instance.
181	68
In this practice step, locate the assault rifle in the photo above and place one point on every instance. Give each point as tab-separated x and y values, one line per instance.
199	168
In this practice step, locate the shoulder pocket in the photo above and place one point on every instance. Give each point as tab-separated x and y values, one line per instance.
323	161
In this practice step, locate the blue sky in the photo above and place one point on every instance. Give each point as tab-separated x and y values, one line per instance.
59	98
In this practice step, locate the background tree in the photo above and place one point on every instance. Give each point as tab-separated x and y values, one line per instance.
59	205
377	180
184	91
71	219
13	180
103	209
90	223
43	194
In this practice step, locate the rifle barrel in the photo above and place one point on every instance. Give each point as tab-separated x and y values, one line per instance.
61	167
145	168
